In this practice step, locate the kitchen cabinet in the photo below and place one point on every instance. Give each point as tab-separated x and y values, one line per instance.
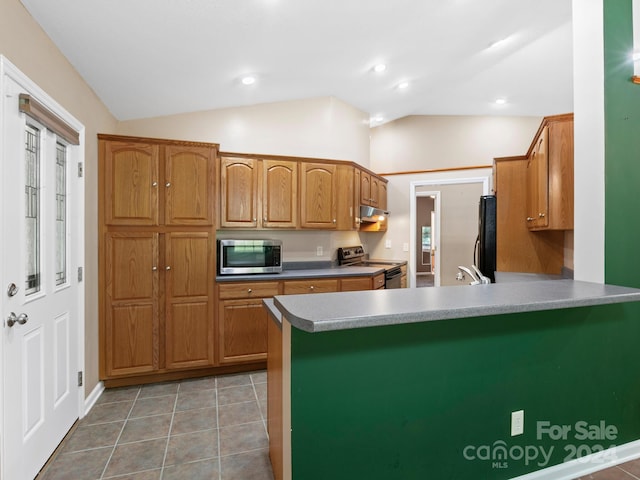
373	190
347	209
153	183
239	192
156	254
130	342
279	194
142	333
189	275
318	192
550	176
325	285
353	284
258	193
242	321
403	278
518	249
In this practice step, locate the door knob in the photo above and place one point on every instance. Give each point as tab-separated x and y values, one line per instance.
20	319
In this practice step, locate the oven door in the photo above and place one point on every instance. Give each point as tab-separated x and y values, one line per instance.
393	278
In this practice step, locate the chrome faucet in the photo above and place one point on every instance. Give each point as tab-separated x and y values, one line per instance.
477	278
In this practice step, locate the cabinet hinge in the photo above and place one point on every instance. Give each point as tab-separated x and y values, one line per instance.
80	378
80	272
80	169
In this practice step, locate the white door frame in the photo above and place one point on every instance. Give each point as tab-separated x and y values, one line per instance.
484	180
9	70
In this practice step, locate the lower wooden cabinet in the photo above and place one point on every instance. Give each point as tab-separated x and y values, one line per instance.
242	321
325	285
158	302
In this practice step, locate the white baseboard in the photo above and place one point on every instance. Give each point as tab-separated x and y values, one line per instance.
585	465
90	401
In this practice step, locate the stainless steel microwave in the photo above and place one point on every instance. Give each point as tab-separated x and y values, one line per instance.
241	257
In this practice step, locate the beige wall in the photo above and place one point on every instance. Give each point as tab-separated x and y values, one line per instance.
318	127
25	45
428	142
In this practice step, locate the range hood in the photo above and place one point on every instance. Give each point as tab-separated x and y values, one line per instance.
372	214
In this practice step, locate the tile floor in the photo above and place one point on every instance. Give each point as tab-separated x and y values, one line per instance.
211	428
625	471
207	428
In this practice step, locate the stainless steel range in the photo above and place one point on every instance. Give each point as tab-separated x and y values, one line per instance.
355	256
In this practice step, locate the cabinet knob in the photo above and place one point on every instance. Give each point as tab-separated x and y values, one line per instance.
154	184
541	215
264	219
311	287
154	268
334	220
168	184
167	268
529	219
249	290
255	220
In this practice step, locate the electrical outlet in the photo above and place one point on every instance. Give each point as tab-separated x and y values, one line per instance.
387	244
405	247
319	251
517	423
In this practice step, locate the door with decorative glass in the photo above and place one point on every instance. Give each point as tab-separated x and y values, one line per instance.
41	295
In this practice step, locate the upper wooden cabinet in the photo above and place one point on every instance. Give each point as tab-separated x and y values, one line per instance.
157	182
271	192
550	176
239	192
279	194
373	190
318	196
257	193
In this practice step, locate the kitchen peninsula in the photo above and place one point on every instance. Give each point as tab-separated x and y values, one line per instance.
414	383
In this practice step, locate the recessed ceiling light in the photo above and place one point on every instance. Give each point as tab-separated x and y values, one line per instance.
403	85
248	80
379	68
501	101
376	119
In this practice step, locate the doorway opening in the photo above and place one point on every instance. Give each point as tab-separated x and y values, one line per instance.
443	227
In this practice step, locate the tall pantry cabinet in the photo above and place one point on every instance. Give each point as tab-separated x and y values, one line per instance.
156	254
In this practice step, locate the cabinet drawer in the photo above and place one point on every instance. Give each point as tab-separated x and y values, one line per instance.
247	290
310	286
378	281
355	284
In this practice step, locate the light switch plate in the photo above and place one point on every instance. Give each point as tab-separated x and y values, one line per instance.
387	244
405	247
517	423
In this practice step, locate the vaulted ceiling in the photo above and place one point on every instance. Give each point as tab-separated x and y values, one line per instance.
147	58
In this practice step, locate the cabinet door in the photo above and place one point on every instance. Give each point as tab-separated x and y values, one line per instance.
538	183
279	194
130	183
356	197
242	331
375	192
382	195
189	270
189	185
238	192
345	201
131	287
318	192
365	188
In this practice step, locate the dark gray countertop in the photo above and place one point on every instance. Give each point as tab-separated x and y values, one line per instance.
300	274
338	311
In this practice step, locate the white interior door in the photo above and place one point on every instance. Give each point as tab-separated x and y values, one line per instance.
39	289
